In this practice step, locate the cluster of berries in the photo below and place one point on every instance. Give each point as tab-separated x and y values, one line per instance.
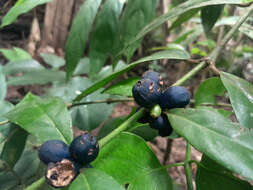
150	91
64	163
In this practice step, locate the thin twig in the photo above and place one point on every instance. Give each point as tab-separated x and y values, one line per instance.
4	122
244	4
108	101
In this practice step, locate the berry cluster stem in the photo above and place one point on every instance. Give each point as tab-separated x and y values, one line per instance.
124	126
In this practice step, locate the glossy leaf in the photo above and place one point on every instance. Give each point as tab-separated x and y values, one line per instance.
221	111
136	15
89	117
53	60
179	10
94	179
79	34
44	118
167	54
37	77
123	88
209	16
207	91
22	67
21	7
85	117
213	176
4	129
227	143
241	96
14	146
247	30
108	70
15	54
69	90
110	125
129	160
145	131
83	66
3	86
183	18
105	39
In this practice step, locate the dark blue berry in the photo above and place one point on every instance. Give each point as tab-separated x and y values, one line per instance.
153	76
162	124
84	149
174	97
146	93
53	151
145	118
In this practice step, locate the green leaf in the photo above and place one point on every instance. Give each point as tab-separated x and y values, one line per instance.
207	91
79	34
221	111
110	125
209	16
105	39
69	90
22	67
14	146
213	176
167	54
44	118
227	143
145	131
241	96
53	60
4	129
22	6
179	10
123	88
129	160
136	15
108	70
83	66
94	179
85	117
26	167
89	117
247	30
15	54
3	86
198	51
37	77
183	18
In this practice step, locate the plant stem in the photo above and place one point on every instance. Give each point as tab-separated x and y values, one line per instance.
36	184
187	167
108	101
124	126
215	53
4	122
